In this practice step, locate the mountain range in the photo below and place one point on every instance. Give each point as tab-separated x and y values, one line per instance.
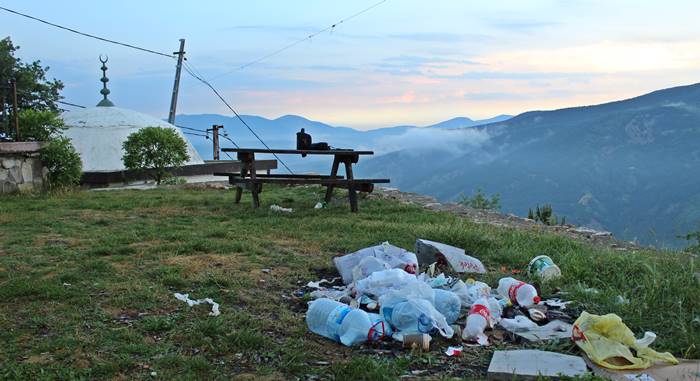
628	166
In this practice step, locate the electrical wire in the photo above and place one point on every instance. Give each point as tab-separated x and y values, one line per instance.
190	128
70	104
297	42
190	71
87	34
192	133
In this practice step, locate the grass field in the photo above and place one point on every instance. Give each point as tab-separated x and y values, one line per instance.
87	282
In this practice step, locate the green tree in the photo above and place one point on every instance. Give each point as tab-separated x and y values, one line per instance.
481	201
63	163
155	148
34	90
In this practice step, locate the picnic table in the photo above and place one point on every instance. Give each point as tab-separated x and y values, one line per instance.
249	179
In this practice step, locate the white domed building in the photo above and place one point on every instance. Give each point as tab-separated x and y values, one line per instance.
97	133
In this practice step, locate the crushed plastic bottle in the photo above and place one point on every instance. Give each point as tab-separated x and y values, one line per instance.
518	292
380	327
485	312
338	322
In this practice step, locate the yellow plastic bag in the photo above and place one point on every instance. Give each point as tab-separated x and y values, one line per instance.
607	342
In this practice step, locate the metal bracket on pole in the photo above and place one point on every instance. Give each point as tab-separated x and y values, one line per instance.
176	86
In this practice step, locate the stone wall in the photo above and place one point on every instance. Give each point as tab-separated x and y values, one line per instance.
20	167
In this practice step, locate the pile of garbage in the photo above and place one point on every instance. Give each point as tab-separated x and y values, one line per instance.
381	295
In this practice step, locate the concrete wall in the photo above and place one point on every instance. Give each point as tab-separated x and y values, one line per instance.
20	167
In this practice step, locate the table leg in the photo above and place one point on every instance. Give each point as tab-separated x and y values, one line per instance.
239	188
352	192
255	188
334	172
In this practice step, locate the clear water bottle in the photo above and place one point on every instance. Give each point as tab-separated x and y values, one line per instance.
338	322
448	304
519	293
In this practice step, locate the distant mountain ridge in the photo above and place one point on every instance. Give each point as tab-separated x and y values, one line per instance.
628	166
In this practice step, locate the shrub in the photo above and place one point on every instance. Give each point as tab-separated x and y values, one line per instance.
39	125
63	163
155	148
481	201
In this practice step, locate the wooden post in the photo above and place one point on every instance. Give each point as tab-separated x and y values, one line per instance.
15	110
215	139
176	86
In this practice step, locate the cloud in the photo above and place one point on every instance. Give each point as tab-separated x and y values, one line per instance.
521	26
455	141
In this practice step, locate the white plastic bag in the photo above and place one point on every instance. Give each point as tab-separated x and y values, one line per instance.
396	257
470	291
430	251
380	282
411	309
367	266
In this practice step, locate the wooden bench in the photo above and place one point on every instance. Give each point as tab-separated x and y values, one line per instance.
250	180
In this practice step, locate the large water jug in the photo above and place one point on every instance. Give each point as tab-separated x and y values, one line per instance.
338	322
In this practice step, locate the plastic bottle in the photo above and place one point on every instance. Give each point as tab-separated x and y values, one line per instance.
478	319
380	327
338	322
519	293
415	316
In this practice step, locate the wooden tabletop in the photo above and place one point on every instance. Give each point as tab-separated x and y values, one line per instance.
298	151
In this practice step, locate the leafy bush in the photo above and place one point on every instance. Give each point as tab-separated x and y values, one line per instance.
155	148
62	162
481	201
39	125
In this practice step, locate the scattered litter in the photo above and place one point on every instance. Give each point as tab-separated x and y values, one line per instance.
454	351
420	340
556	303
396	257
320	205
537	314
607	342
408	312
554	330
621	300
190	302
278	208
543	267
686	370
429	251
328	294
519	293
382	282
153	374
266	271
66	284
534	364
317	284
470	291
519	323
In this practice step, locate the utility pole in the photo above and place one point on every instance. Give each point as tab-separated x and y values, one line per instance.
215	133
176	86
14	107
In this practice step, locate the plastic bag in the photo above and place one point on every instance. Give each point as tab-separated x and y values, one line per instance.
470	291
449	304
367	266
431	251
411	310
396	257
380	282
607	342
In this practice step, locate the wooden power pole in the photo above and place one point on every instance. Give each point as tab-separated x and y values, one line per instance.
215	139
176	86
15	111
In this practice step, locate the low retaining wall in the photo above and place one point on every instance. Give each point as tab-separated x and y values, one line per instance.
20	167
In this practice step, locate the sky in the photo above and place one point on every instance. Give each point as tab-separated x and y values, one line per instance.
404	62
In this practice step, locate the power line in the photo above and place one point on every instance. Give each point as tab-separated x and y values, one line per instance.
87	34
190	70
190	128
295	43
70	104
192	133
